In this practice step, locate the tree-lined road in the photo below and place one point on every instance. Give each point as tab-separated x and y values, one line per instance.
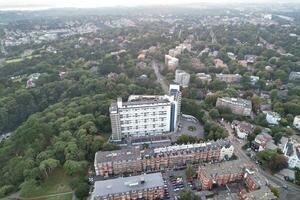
159	77
293	190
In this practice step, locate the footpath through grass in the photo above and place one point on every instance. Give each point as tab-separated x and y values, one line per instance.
62	197
57	182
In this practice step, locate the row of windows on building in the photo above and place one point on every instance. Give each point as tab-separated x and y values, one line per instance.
143	132
125	122
144	114
139	109
135	191
140	127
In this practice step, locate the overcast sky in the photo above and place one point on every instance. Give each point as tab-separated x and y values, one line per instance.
38	4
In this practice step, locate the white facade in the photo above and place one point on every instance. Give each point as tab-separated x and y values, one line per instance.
231	55
294	161
273	118
292	151
182	78
179	49
296	122
171	62
226	152
241	134
174	52
243	129
145	115
254	79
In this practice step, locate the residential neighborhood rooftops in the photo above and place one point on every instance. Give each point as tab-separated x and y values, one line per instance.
273	114
210	145
263	138
127	184
245	127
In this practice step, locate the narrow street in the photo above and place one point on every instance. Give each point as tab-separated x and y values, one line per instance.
159	77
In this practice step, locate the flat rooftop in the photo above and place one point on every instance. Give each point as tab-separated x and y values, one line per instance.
138	100
127	184
222	168
237	101
118	155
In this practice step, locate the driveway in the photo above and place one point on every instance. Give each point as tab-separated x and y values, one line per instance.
184	129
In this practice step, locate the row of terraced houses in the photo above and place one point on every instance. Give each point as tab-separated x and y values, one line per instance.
136	160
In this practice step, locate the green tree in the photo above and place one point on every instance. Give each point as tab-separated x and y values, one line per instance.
218	85
189	172
28	187
289	132
277	163
48	165
185	139
297	176
72	167
214	113
187	194
82	190
257	130
5	190
275	191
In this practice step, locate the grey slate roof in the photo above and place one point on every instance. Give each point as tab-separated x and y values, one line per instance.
127	184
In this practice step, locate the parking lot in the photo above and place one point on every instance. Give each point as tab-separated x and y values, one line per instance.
175	181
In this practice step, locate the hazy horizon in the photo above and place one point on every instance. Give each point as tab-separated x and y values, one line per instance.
47	4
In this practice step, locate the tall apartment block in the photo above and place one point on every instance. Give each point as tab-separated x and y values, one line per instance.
182	78
171	62
144	115
238	106
135	160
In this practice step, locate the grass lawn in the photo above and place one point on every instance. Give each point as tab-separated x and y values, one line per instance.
62	197
15	60
57	182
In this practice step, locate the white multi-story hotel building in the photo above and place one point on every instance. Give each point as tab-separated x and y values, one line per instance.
145	115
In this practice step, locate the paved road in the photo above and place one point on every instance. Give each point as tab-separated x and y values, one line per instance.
293	190
213	37
184	129
159	77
